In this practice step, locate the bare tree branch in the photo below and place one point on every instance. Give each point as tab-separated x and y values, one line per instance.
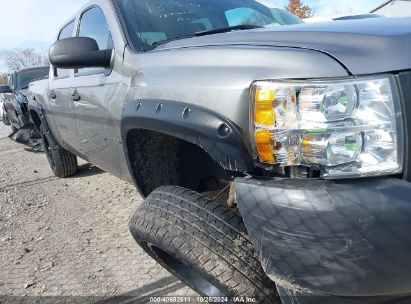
26	59
339	11
315	8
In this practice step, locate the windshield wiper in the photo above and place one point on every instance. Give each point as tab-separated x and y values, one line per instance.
228	29
210	32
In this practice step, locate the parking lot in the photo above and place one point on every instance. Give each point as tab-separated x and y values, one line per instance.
69	237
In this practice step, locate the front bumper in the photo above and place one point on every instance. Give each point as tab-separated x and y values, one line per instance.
345	238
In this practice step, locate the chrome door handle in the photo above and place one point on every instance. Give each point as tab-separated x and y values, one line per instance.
75	96
52	95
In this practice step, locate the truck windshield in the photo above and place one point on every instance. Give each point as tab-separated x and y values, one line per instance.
25	77
150	22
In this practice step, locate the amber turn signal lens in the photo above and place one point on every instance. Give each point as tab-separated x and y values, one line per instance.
264	146
264	113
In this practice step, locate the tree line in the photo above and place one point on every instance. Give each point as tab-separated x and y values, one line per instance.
3	79
26	59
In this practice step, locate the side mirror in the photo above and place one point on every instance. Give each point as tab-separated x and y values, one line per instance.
5	89
77	53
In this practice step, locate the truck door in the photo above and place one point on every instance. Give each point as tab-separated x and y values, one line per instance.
60	102
97	95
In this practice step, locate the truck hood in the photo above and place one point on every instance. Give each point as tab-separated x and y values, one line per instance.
365	46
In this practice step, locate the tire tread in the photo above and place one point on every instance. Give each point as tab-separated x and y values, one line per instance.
206	235
65	161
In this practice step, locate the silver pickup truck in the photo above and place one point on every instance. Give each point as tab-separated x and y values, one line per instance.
274	156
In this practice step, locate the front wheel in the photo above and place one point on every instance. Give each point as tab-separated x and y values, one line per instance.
202	243
62	162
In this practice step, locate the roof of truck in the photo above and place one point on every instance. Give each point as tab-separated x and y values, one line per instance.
30	69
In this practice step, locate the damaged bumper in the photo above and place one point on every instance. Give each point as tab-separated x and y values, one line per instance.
344	239
29	136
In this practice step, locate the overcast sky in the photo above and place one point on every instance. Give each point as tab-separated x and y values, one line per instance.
34	23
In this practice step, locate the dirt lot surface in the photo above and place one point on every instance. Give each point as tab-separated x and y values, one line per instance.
69	237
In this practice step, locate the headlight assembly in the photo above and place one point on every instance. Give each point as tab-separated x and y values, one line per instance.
345	128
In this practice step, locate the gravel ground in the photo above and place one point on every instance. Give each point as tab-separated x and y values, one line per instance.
69	237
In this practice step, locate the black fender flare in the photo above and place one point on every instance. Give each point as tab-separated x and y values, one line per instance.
35	106
216	135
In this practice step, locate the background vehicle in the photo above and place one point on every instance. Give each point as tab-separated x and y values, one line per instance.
353	17
1	107
394	8
15	105
304	128
341	18
3	99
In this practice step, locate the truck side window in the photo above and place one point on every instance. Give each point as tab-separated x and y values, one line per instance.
93	24
66	32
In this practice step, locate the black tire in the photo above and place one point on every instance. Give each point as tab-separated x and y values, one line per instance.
62	162
13	129
202	243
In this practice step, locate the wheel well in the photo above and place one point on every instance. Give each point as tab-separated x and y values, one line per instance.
36	119
158	159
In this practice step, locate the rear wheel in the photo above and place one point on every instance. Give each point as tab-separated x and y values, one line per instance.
62	162
202	243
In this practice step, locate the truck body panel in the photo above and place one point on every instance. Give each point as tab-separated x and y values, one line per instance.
209	78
